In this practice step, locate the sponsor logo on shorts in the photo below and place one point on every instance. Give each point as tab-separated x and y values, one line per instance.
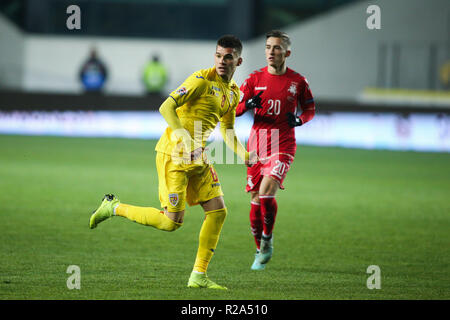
173	199
260	88
249	181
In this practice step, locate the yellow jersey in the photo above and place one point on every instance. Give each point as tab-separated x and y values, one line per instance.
203	100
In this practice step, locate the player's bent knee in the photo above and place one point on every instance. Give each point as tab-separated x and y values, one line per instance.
269	186
171	221
175	226
219	214
213	204
170	225
255	197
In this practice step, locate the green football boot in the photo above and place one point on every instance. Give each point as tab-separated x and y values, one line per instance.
201	280
105	210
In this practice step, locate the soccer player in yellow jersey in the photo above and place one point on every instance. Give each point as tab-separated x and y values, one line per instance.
192	112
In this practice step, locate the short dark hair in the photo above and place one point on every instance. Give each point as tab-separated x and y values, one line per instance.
280	34
230	41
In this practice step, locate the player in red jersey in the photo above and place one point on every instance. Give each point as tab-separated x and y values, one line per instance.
273	94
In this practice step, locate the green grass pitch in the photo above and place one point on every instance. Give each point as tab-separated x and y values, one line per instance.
342	211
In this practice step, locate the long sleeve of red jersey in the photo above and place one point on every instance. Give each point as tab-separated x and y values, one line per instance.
246	92
307	104
240	109
308	113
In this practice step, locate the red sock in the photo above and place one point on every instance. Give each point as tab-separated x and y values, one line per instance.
269	213
256	222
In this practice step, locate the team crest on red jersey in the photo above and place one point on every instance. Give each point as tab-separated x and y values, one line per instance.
293	88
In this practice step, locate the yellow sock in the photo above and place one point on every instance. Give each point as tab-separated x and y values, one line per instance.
208	238
147	216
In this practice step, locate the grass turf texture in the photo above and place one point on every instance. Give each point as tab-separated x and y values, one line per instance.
342	211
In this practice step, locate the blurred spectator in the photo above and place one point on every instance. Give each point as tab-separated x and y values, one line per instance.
93	73
445	75
155	76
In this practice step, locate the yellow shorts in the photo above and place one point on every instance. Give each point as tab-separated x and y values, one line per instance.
178	183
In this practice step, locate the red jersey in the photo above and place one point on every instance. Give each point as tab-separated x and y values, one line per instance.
271	133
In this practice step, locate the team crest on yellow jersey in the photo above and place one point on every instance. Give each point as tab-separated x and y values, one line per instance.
173	199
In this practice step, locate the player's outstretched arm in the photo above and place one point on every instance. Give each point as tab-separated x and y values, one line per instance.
233	142
167	110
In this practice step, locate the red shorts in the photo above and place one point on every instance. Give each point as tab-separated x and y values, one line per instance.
276	167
